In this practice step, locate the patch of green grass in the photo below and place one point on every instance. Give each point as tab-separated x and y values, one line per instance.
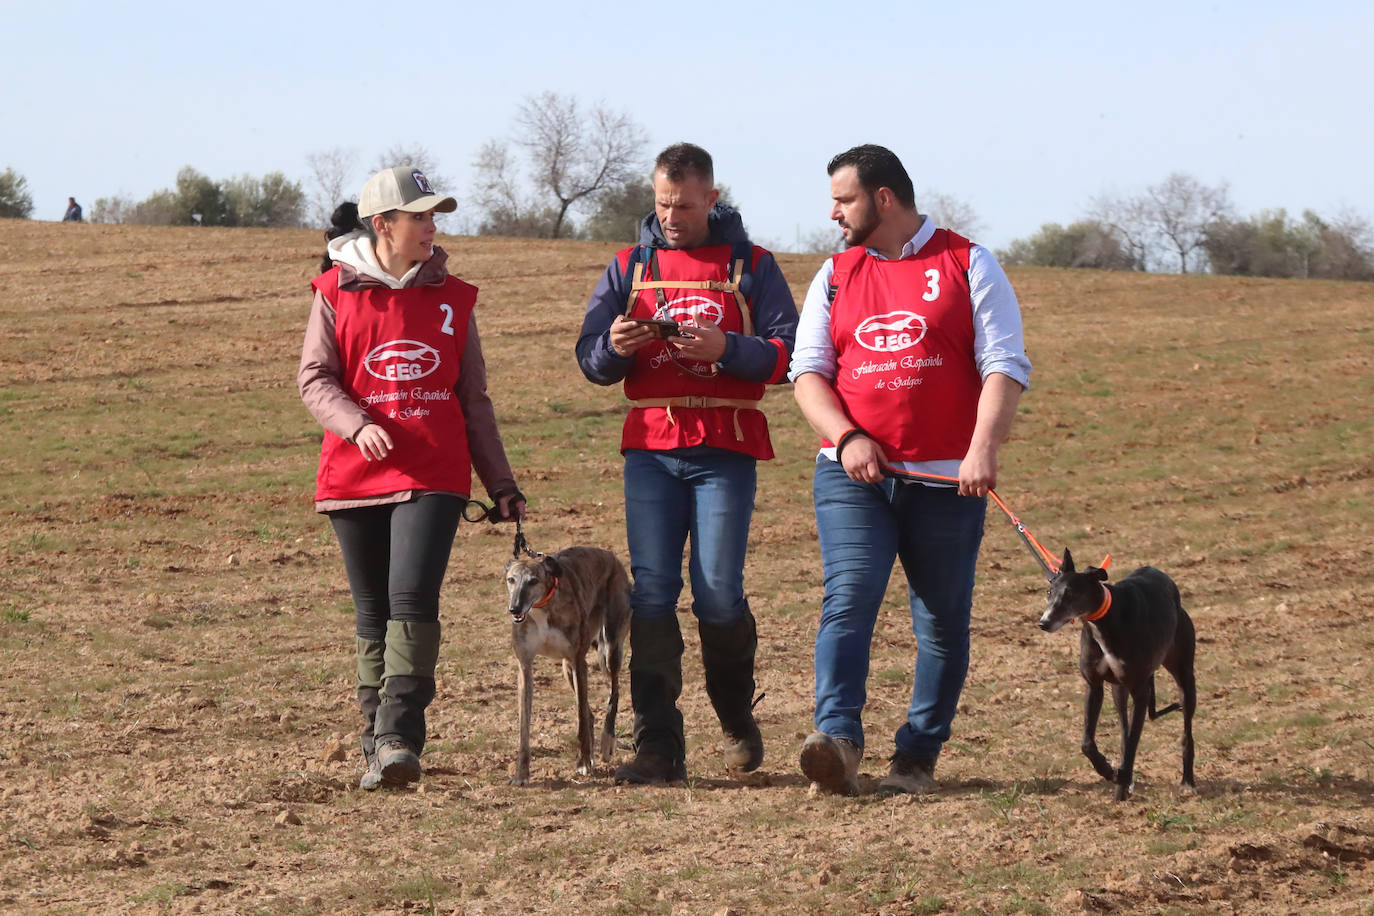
164	893
423	887
1005	802
13	614
1169	844
892	676
32	543
1305	720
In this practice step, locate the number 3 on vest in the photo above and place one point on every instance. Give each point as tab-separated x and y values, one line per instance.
933	288
447	326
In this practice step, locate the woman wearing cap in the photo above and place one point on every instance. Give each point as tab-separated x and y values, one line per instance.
392	369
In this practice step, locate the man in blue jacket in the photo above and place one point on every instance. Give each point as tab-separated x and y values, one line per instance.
695	321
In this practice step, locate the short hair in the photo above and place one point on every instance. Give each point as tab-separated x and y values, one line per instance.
877	167
683	159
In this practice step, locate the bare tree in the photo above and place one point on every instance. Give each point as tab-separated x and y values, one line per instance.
1181	208
1167	220
332	180
1126	220
951	213
574	156
498	190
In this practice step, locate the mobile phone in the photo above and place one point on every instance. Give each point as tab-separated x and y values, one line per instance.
662	326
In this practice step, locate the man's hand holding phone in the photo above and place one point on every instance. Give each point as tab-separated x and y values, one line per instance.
629	334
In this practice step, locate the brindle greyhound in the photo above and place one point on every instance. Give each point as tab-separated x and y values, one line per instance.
1129	630
561	606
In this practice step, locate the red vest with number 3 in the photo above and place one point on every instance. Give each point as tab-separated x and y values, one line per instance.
400	350
903	335
654	374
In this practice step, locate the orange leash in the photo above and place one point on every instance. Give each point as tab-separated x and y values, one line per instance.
1048	564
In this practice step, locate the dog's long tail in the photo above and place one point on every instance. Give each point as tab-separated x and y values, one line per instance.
1167	709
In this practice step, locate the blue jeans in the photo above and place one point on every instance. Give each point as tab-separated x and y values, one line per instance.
706	495
863	527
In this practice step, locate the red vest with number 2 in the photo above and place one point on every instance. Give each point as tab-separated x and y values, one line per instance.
903	335
401	350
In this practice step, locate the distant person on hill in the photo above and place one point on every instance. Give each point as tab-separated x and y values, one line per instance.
691	441
73	214
392	369
910	357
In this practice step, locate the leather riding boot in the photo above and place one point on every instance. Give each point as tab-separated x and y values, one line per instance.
412	651
370	672
655	685
727	655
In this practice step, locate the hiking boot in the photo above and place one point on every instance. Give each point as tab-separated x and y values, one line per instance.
655	685
372	772
397	764
909	775
649	768
727	658
744	752
832	764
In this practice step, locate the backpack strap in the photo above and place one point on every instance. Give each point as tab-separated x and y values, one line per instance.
843	262
643	264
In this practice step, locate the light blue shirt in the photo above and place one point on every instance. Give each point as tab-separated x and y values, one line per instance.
998	345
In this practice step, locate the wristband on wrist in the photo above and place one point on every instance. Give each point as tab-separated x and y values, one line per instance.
845	436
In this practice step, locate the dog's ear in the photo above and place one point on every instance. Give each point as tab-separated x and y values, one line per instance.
1067	564
1098	572
552	568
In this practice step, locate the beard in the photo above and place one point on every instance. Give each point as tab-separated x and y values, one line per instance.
858	231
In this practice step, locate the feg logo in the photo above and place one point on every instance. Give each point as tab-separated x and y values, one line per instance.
891	332
421	181
698	307
401	360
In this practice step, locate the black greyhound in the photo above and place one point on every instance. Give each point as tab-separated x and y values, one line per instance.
1129	630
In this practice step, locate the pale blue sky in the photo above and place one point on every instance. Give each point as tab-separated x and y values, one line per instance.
1024	111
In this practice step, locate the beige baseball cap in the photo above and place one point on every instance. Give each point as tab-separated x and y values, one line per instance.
401	188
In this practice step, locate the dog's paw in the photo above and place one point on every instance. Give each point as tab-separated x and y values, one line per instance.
1187	788
584	769
519	780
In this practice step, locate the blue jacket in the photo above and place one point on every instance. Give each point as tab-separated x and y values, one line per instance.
752	358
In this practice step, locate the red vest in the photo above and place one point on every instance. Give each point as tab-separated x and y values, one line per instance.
903	335
400	350
653	374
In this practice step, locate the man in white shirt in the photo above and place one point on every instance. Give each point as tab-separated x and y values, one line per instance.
909	357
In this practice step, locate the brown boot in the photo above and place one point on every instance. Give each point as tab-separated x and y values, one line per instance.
648	768
832	764
909	775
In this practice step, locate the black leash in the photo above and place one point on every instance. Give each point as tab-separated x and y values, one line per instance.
481	512
521	544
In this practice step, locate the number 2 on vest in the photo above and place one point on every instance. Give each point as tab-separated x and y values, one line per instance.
447	326
933	289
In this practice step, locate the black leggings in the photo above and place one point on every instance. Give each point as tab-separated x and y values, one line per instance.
396	556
